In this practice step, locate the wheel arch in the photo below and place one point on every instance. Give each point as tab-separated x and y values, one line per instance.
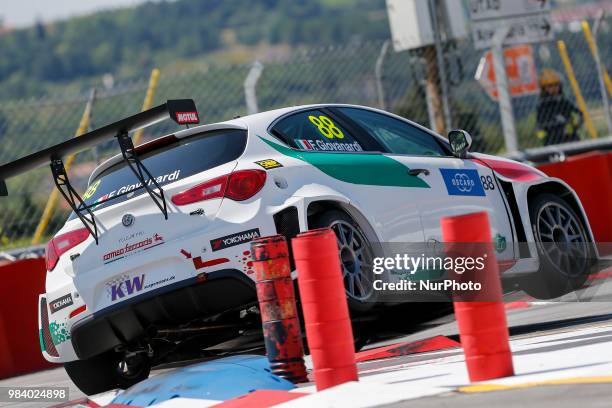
561	189
317	207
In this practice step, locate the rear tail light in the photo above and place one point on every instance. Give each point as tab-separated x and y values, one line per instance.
62	243
239	186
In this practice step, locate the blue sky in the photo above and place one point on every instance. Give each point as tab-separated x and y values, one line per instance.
19	13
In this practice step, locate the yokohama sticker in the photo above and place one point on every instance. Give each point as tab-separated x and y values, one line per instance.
234	239
60	303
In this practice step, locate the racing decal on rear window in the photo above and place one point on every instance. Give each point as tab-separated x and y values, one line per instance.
234	239
269	164
326	126
60	303
131	249
465	182
321	145
187	117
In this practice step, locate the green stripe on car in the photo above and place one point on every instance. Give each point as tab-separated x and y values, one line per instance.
357	168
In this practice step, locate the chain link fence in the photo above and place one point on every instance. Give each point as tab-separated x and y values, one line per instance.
369	74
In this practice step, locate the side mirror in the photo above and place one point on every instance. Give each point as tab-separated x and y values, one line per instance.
460	142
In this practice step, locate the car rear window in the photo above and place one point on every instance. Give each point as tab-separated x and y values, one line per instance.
170	163
315	130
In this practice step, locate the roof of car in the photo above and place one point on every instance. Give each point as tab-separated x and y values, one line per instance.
243	122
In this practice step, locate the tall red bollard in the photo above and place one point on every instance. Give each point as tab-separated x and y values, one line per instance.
481	317
281	326
326	316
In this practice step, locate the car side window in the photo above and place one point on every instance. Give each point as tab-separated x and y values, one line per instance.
316	130
395	135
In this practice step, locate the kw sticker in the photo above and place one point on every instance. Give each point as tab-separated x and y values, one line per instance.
363	169
462	182
234	239
269	164
124	286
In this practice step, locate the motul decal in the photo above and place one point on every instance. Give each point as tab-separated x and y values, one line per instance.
234	239
187	117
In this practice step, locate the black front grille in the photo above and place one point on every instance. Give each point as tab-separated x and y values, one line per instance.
46	333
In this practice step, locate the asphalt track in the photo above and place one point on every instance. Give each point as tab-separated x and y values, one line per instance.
525	320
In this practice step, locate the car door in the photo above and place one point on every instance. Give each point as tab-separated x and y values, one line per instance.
350	163
457	186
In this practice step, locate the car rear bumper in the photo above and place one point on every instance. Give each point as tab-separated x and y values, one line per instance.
176	303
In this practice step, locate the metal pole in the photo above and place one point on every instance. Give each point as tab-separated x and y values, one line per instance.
434	10
600	70
54	197
378	73
501	80
571	76
250	83
148	101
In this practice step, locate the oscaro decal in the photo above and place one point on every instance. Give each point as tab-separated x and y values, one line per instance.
130	249
60	303
462	182
234	239
320	145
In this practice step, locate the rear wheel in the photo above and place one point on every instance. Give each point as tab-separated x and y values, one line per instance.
108	371
563	247
355	259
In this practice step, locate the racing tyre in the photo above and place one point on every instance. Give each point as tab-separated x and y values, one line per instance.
355	259
108	371
563	247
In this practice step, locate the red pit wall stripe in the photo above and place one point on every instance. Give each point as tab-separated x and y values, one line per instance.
197	262
517	305
261	399
83	402
402	349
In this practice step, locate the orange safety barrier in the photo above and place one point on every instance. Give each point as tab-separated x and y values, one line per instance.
326	316
590	175
22	282
481	317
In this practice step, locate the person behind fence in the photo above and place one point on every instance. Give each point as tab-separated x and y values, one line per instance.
558	119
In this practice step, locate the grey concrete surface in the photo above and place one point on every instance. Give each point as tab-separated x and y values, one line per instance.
522	322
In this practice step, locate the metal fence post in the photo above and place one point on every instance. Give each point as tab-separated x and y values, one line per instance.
378	73
501	80
590	37
250	83
54	197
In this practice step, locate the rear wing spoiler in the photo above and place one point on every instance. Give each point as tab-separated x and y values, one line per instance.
182	111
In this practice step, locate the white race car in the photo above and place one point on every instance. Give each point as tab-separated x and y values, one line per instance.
139	273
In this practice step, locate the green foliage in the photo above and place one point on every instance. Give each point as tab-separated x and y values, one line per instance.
134	39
